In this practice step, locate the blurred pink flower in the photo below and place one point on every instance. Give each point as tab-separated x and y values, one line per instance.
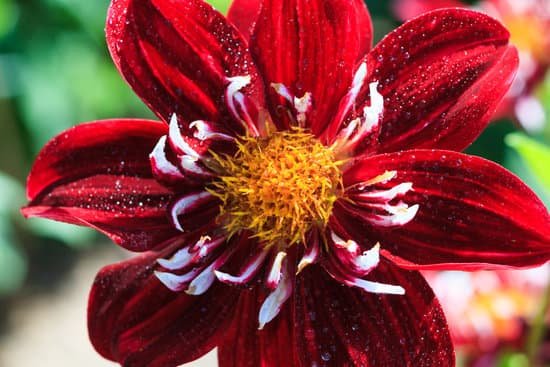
528	22
492	309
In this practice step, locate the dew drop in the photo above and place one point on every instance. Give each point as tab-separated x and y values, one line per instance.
326	356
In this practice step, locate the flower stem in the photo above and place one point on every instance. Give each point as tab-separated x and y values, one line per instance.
538	327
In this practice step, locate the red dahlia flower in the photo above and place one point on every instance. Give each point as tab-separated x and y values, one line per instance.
285	143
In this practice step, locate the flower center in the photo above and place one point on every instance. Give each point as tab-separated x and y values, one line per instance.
277	187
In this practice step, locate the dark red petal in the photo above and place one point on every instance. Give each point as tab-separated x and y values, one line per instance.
442	76
310	46
136	321
98	174
473	213
176	55
407	9
246	346
342	326
243	15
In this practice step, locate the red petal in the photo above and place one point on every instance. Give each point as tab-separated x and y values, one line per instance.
98	174
442	76
176	55
246	346
243	15
406	9
310	46
136	321
342	326
473	213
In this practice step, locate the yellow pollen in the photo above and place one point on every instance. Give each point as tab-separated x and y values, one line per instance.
278	187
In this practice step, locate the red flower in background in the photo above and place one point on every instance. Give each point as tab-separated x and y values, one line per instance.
528	22
287	142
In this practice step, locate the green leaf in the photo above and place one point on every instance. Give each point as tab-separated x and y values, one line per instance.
221	5
13	196
535	155
513	359
13	265
71	235
9	12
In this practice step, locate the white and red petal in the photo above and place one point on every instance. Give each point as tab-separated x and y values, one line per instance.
250	269
178	143
442	76
205	130
193	268
312	252
135	320
206	278
472	213
346	138
343	326
310	47
98	175
192	253
272	305
327	324
177	55
191	206
350	256
275	270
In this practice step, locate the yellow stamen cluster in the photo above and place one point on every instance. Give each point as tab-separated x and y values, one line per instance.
277	187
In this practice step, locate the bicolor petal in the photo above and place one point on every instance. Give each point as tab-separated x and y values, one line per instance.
442	75
471	213
98	175
136	321
177	56
310	47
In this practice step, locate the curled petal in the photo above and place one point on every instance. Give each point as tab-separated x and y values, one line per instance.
206	278
191	254
136	321
442	75
274	302
312	253
187	204
247	273
472	213
366	285
160	164
176	55
177	142
177	283
98	175
178	261
206	131
317	45
276	272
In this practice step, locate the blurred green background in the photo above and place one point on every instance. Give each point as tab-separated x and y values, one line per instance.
55	72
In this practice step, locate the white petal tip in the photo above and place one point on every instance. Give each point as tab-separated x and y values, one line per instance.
302	265
169	280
